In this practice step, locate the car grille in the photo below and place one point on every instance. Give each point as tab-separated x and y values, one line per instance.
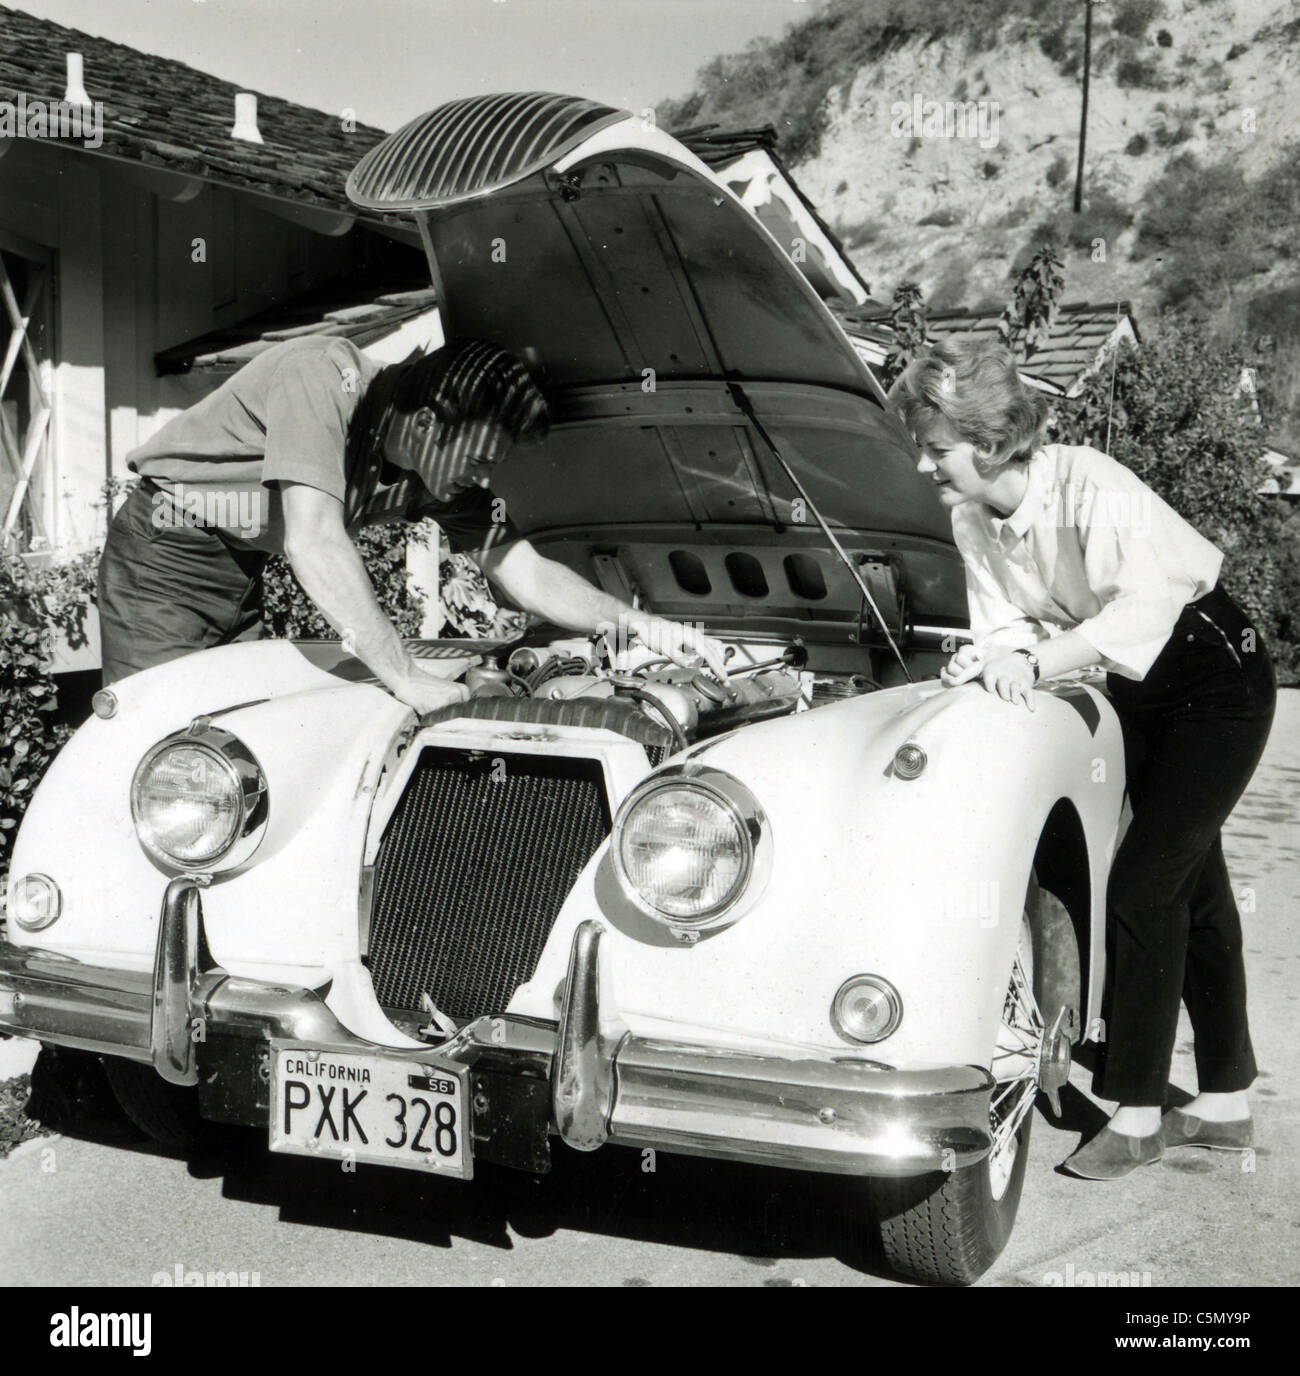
478	858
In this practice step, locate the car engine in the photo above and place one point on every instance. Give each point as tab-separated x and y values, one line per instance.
762	681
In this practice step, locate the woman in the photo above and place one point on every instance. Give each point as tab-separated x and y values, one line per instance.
1072	561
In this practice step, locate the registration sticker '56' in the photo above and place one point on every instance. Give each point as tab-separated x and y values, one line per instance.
384	1107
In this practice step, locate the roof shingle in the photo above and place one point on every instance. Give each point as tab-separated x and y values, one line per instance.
305	155
1079	330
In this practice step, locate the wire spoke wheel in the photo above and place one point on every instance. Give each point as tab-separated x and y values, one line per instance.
1016	1063
948	1228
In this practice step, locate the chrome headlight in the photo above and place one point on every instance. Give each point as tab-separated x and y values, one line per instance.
198	800
691	848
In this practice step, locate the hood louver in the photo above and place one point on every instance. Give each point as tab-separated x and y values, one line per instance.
470	147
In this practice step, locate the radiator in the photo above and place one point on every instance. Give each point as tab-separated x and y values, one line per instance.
477	861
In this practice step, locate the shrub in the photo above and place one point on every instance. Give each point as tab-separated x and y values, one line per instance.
1286	638
858	232
1213	230
1104	216
1171	135
1177	423
1137	145
288	612
469	608
1058	171
1133	18
1270	325
32	603
16	1126
944	216
1140	72
1052	44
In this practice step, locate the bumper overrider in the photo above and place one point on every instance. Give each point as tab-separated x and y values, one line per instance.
585	1078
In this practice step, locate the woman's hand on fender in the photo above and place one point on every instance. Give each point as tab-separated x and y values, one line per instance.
961	668
1011	677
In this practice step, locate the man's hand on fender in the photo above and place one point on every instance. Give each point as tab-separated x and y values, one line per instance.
425	692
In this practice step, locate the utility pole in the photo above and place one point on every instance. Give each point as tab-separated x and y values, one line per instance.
1083	117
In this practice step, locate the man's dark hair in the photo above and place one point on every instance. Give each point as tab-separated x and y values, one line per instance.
465	381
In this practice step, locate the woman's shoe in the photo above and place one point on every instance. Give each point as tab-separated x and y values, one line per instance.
1186	1130
1111	1154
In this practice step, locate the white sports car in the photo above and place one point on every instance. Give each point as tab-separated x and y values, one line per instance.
824	914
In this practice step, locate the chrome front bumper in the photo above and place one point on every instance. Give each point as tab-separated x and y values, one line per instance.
605	1084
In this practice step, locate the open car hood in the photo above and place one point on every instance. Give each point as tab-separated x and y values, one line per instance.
663	318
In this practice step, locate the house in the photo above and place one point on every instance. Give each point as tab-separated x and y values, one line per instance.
746	160
1284	478
135	243
145	256
1083	336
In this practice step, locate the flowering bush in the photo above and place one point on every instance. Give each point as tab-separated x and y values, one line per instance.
287	611
466	603
468	606
32	604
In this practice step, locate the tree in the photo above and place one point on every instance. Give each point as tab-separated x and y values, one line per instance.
907	320
1170	411
1026	323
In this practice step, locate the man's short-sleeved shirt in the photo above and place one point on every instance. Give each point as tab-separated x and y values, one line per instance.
283	417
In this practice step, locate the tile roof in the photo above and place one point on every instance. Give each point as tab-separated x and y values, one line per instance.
356	313
1079	331
305	154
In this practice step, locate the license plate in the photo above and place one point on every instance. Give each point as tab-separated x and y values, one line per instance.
349	1107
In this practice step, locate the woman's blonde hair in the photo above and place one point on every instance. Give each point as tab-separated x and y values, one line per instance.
976	388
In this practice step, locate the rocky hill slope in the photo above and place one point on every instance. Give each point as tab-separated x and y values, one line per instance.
940	140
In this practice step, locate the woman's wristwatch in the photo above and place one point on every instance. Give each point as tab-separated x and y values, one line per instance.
1033	663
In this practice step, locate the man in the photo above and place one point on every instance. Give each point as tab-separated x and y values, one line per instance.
307	443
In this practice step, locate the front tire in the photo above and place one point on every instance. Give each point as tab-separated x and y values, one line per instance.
167	1113
71	1095
948	1228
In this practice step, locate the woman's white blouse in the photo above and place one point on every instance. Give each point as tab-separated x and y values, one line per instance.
1090	548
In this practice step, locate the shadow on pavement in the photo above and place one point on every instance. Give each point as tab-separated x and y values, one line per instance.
765	1215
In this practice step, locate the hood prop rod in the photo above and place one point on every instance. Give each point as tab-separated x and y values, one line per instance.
743	402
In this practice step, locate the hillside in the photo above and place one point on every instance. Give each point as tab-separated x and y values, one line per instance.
1192	178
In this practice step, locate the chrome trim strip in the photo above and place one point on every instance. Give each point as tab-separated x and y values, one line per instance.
831	1116
582	1081
175	979
53	998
